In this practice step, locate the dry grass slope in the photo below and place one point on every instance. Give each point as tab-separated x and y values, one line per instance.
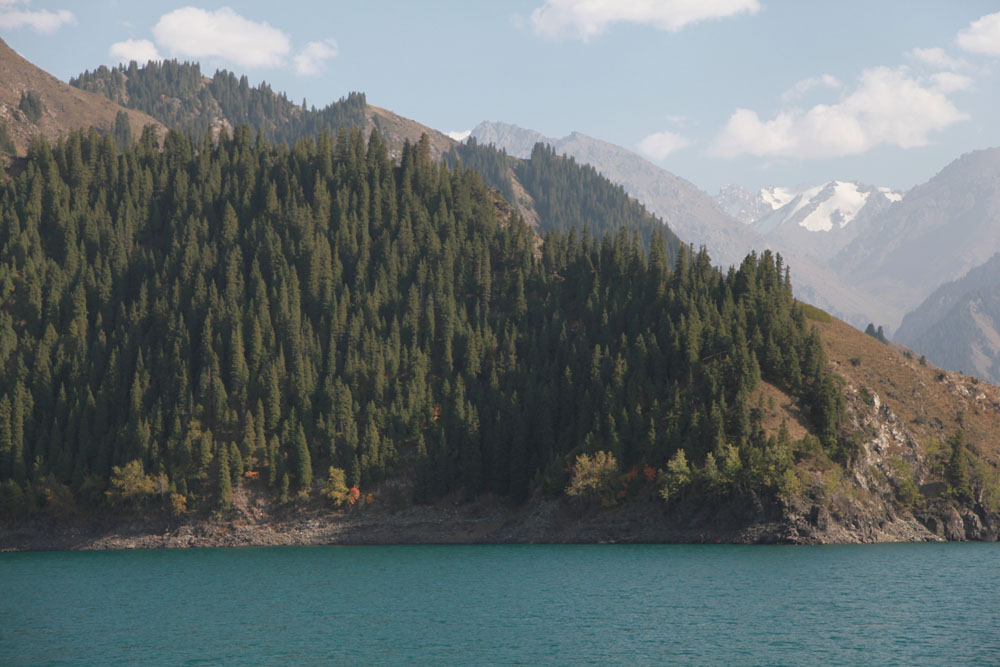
395	130
932	403
66	108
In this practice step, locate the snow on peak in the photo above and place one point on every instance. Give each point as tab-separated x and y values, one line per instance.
891	194
821	208
777	197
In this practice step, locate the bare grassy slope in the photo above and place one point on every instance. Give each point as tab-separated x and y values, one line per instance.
66	108
930	403
396	130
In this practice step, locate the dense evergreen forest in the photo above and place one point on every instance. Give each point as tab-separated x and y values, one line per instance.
178	315
566	194
177	95
193	311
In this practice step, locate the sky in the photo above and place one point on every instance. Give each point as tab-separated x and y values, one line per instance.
754	92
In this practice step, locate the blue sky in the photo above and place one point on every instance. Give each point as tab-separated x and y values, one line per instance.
756	92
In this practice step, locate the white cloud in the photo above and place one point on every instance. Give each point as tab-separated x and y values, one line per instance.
196	33
311	60
584	19
42	21
805	85
937	58
950	82
982	35
139	50
661	144
888	107
460	136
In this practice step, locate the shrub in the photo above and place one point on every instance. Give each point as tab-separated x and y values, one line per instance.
178	504
31	105
595	477
129	485
676	477
335	488
6	142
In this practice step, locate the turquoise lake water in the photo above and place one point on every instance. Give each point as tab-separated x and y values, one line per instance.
892	604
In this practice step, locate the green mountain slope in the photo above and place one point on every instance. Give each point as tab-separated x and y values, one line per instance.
557	193
180	97
194	312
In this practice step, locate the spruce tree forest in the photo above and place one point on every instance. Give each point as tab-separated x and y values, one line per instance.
181	315
174	94
566	195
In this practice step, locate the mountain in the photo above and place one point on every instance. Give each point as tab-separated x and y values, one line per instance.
958	325
180	97
262	320
818	221
34	102
556	193
742	204
821	220
935	234
287	312
194	320
515	140
692	214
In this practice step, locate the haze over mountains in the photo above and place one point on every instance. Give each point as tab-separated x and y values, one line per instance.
693	214
865	252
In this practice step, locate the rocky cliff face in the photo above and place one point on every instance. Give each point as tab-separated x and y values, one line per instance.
899	415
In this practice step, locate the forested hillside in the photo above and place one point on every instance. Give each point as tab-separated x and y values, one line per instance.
175	316
564	194
177	95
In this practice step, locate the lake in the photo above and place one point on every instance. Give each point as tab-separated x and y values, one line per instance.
887	604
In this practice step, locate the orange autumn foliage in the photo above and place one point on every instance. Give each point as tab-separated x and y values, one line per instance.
355	493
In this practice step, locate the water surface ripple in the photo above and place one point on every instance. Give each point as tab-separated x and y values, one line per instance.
875	605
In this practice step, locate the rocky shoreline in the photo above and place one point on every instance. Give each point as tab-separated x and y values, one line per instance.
493	522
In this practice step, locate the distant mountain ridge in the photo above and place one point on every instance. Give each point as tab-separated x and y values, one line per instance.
935	234
958	325
695	216
689	211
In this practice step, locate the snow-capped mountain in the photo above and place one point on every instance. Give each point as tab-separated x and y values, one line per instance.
823	208
816	220
742	204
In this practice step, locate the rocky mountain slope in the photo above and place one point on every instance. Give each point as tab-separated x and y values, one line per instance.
62	107
742	204
937	233
901	414
958	325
